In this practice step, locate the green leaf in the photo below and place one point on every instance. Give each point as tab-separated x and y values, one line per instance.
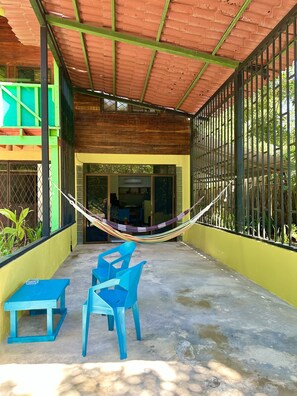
9	230
21	234
8	214
23	214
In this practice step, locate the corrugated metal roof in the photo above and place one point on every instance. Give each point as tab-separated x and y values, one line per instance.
23	21
137	71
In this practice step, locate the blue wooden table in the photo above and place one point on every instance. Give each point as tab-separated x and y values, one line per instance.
38	296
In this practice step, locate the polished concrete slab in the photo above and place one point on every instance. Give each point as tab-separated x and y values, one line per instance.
206	331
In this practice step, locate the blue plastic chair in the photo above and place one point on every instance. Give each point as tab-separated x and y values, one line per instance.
114	303
107	267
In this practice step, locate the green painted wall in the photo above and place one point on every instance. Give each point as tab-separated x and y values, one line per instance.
39	263
271	267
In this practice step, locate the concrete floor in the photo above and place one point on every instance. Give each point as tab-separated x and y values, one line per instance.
206	331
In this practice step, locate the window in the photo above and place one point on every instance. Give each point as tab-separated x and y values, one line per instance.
139	109
30	75
122	106
2	73
21	187
130	169
110	105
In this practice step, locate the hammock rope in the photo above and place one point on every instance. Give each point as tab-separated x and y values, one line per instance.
128	228
155	238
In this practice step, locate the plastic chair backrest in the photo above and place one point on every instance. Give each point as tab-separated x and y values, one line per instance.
125	251
127	247
129	280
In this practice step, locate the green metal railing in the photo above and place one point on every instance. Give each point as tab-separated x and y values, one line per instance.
20	105
20	108
247	132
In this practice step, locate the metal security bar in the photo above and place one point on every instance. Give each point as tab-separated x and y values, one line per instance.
20	186
270	139
212	156
247	131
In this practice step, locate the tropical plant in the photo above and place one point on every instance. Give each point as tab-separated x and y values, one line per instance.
18	234
6	244
34	233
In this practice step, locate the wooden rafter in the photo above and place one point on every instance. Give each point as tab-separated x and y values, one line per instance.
83	44
148	73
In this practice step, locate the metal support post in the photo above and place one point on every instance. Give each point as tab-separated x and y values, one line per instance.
44	132
239	150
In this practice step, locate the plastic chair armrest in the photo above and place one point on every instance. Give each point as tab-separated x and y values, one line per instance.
106	285
118	259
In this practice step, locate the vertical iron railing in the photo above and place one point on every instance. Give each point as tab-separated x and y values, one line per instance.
248	132
213	156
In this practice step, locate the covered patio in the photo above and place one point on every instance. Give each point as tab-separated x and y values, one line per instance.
205	330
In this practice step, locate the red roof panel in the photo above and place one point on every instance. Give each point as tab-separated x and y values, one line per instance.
141	18
100	61
204	90
194	24
169	79
132	64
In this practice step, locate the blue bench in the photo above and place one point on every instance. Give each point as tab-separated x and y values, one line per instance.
38	296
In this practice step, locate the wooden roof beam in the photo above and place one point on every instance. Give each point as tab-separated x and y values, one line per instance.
148	73
140	41
83	44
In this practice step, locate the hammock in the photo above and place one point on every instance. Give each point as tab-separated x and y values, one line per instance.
129	228
162	237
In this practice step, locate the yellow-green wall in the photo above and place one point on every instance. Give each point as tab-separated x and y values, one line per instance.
39	263
271	267
179	160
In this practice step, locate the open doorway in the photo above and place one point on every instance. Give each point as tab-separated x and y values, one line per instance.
96	200
137	200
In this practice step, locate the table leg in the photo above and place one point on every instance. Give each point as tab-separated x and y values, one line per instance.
50	321
62	301
13	323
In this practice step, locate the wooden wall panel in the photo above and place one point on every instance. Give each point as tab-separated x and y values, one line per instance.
128	133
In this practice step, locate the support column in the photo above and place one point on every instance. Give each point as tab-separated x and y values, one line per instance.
55	179
44	133
239	151
55	154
